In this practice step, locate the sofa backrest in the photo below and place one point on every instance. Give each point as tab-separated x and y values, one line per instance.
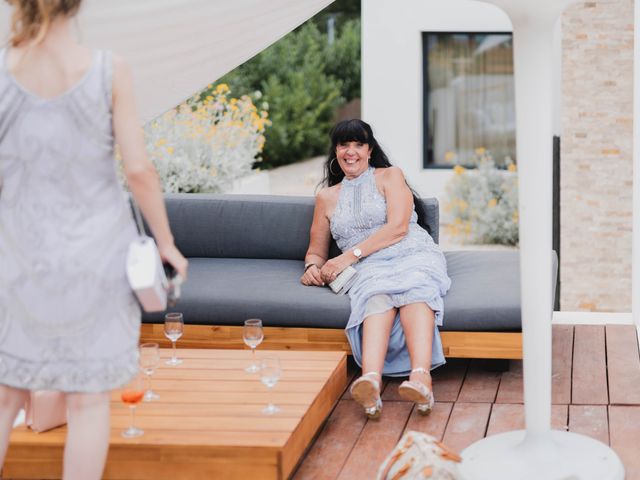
250	226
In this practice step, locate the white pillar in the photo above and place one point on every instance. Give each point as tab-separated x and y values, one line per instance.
536	453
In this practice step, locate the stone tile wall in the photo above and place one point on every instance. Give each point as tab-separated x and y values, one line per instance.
596	161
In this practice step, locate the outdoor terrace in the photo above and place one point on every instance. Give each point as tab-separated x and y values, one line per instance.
596	392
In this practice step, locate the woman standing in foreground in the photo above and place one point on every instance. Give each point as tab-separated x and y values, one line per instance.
396	300
68	320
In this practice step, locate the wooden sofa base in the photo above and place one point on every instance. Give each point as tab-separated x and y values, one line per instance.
505	345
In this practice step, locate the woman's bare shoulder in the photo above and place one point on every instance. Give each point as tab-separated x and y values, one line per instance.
390	173
328	194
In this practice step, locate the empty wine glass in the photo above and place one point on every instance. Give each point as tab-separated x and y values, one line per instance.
173	327
149	359
269	375
131	396
252	335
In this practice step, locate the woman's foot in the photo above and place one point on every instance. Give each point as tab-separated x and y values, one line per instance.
418	389
366	391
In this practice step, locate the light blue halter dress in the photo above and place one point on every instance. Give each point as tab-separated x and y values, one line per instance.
68	319
410	271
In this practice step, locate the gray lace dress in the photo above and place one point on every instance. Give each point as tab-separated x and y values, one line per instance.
410	271
68	320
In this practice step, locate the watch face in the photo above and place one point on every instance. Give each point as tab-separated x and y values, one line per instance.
357	252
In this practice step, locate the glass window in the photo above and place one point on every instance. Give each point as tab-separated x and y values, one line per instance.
469	104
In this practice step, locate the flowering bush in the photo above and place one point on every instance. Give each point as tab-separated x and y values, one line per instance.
206	143
484	202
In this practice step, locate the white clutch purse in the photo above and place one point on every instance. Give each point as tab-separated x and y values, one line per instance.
344	281
145	271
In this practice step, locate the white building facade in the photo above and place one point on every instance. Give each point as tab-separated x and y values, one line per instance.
593	112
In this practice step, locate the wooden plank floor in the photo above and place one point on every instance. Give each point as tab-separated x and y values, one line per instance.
596	392
208	421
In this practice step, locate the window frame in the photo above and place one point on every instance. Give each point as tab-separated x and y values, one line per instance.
428	162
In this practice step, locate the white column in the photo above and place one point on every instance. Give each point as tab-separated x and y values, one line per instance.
533	51
538	452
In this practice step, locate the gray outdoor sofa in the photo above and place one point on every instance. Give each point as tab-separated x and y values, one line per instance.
246	256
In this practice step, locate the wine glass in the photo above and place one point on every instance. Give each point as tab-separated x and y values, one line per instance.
132	395
149	359
269	375
173	326
253	335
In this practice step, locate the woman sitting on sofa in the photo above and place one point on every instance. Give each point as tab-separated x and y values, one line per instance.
396	299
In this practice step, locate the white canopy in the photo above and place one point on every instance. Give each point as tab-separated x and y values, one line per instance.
177	47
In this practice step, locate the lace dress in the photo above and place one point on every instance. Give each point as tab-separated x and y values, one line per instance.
68	320
410	271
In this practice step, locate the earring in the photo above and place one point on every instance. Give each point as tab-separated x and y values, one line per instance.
331	169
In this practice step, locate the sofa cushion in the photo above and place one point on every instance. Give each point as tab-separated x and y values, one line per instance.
225	291
484	293
250	226
240	226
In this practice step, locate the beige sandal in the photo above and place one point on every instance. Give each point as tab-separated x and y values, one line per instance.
417	392
366	391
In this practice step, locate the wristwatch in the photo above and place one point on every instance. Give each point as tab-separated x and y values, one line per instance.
358	253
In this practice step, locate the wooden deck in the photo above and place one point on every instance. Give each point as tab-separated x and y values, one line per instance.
208	421
596	392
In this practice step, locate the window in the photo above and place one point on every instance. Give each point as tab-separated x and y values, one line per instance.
469	103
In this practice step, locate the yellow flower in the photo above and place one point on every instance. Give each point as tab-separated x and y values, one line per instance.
222	88
492	203
512	167
514	217
459	169
160	142
480	151
449	156
170	150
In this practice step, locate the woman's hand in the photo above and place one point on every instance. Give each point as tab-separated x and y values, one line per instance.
170	254
312	277
332	268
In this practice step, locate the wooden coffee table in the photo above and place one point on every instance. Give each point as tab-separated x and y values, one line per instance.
208	422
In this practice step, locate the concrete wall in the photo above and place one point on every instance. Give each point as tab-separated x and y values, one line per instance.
392	88
597	147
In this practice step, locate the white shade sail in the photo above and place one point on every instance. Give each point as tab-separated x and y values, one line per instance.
177	47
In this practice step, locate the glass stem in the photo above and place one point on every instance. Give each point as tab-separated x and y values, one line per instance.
173	346
148	382
270	396
133	416
253	355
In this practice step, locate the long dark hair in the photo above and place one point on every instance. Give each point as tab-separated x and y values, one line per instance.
356	130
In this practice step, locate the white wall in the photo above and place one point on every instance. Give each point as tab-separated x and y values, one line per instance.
392	88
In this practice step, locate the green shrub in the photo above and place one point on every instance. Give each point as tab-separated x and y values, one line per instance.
343	59
302	80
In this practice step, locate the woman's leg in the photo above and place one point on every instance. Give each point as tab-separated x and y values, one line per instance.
418	323
376	330
11	401
85	452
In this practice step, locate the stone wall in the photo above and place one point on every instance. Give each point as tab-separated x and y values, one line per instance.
596	162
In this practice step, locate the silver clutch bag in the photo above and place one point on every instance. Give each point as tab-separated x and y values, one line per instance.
344	281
